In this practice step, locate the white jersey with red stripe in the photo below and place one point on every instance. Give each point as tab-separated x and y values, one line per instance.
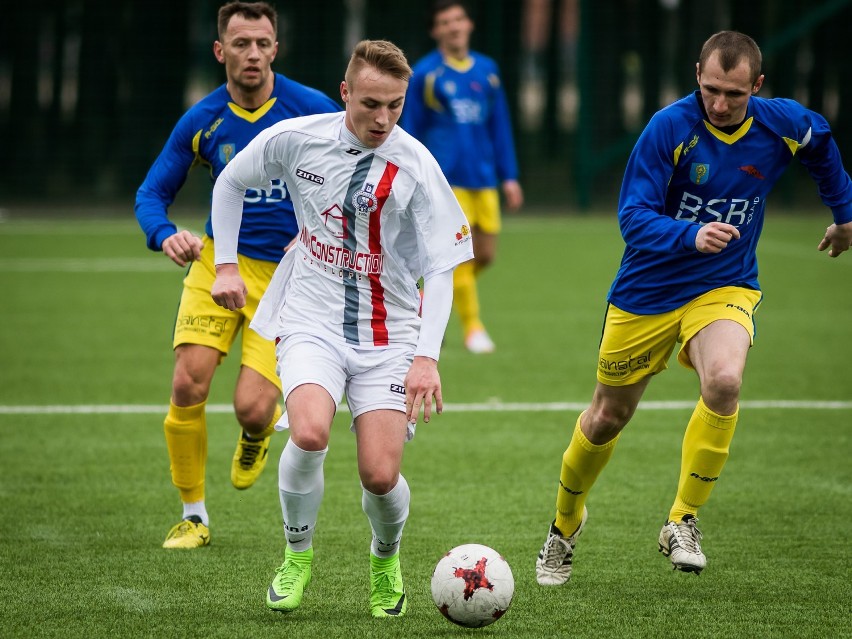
372	222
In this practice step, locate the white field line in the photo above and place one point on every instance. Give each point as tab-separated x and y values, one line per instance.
483	407
89	265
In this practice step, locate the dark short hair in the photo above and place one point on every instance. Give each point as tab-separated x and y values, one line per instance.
439	6
732	46
382	55
249	11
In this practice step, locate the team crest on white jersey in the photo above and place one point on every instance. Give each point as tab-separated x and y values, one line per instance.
364	200
335	222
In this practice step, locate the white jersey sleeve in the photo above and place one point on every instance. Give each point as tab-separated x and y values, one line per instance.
435	310
250	168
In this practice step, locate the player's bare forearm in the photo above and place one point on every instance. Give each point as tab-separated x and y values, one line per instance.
837	239
422	384
229	291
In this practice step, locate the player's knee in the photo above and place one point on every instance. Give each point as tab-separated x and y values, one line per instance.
188	389
722	387
254	417
310	437
606	421
379	481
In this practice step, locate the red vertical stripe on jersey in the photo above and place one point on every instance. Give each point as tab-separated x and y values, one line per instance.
377	291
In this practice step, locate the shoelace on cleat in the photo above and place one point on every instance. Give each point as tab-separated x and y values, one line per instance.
688	536
250	452
384	583
287	574
184	527
556	550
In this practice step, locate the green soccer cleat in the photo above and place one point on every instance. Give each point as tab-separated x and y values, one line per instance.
387	595
249	460
189	533
291	579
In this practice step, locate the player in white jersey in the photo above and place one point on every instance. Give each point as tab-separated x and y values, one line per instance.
375	215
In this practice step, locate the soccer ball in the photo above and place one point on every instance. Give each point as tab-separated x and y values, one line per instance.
473	585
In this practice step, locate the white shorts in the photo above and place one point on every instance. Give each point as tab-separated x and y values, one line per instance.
372	379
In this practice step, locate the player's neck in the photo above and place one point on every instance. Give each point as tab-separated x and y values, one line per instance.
461	54
251	100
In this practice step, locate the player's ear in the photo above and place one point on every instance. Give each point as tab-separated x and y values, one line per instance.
698	72
757	84
218	51
344	92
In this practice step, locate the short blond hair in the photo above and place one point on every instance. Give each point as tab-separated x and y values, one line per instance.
382	55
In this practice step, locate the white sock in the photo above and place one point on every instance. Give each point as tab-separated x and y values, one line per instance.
198	509
300	486
387	515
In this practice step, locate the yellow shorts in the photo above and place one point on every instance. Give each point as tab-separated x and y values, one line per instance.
635	346
481	207
201	321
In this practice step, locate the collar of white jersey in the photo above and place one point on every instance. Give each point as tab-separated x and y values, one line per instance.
347	137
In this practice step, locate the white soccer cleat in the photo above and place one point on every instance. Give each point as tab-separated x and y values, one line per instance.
479	342
556	558
681	543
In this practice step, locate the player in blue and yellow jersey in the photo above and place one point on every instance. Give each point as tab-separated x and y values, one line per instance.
456	106
691	211
210	134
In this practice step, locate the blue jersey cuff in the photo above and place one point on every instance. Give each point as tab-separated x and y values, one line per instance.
842	214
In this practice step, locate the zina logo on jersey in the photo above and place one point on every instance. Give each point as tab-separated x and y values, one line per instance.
312	177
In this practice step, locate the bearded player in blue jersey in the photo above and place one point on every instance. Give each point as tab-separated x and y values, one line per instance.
210	134
456	106
691	211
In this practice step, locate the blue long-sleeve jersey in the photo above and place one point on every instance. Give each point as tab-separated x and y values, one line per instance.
211	133
459	111
684	172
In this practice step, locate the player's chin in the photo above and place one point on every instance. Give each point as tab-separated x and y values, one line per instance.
375	138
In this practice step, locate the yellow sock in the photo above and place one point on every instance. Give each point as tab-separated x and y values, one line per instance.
705	450
266	432
186	439
466	297
582	462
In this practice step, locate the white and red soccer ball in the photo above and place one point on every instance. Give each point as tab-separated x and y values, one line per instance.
472	585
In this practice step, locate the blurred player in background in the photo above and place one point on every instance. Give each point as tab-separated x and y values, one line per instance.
691	211
210	134
456	106
376	214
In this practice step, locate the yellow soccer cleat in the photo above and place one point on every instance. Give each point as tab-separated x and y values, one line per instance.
189	533
249	461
